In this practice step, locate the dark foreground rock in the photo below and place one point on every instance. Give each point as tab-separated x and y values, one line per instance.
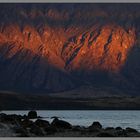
105	134
42	123
10	118
95	127
22	126
36	130
20	131
61	124
131	130
26	123
32	114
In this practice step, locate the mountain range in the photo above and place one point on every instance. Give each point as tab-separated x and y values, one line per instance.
59	47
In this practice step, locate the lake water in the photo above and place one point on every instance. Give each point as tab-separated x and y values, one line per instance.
85	118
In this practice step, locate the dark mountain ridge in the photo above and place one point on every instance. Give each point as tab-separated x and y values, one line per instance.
59	47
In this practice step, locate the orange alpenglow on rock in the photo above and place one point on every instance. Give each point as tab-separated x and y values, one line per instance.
99	49
45	44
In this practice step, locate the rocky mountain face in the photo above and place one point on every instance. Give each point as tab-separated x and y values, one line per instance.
58	47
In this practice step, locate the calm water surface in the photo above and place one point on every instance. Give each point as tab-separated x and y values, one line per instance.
85	118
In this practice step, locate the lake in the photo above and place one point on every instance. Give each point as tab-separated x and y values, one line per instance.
85	118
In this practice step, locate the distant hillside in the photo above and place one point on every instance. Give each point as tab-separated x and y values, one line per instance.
16	101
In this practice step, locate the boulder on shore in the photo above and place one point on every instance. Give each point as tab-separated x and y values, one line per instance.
13	118
32	114
61	124
118	128
95	125
42	123
20	131
26	123
131	130
36	130
109	128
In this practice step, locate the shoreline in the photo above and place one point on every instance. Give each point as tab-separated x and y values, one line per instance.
23	126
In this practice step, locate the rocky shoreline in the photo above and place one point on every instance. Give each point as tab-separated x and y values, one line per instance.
32	125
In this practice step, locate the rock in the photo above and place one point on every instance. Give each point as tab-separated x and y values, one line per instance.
36	130
21	131
61	124
42	123
32	114
24	116
10	118
109	128
131	130
51	130
121	133
3	126
95	125
105	134
3	117
77	128
93	129
118	128
26	123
